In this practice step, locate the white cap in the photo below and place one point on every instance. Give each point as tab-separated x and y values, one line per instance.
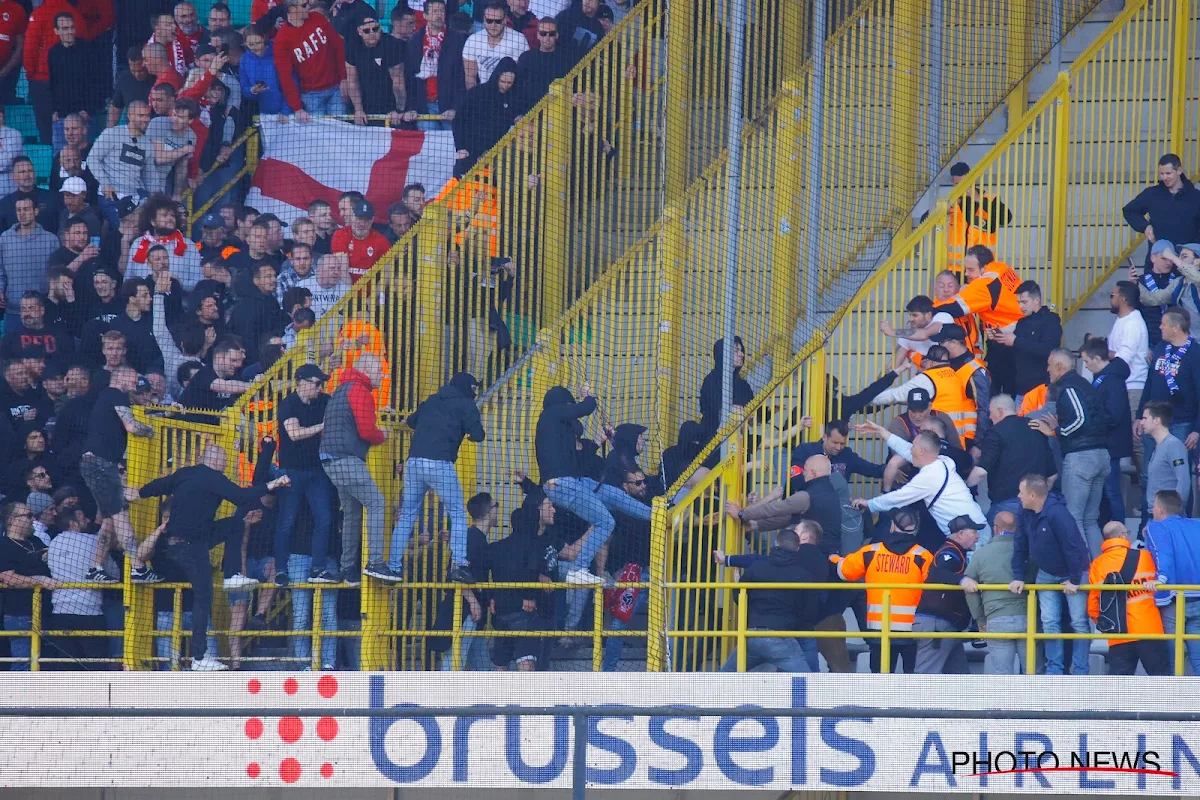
74	185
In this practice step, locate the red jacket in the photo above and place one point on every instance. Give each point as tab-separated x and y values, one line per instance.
260	7
92	18
362	405
313	53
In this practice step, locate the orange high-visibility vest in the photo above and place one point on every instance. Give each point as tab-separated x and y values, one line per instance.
970	222
875	563
1033	400
964	374
998	311
949	397
1141	614
353	330
461	198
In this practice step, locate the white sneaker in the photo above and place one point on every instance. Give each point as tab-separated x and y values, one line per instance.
239	582
583	577
208	664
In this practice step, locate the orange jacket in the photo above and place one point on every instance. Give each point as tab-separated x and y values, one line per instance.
970	222
993	296
1034	399
1141	614
950	397
356	329
895	561
479	202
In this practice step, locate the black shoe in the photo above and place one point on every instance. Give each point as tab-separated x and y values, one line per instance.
281	579
145	575
461	574
383	572
256	623
98	575
324	576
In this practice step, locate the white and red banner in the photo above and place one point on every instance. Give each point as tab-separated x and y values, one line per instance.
321	159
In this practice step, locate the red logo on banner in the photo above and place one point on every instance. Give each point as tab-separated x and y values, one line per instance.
292	729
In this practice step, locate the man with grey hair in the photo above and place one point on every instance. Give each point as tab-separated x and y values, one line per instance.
1081	427
1009	451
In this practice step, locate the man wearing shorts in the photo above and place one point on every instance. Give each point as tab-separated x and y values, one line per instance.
110	424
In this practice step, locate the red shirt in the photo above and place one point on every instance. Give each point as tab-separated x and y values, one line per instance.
260	7
172	79
13	21
431	50
363	253
310	58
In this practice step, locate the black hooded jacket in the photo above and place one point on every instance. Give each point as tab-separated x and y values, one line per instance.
486	115
441	422
710	391
555	438
679	456
786	609
623	456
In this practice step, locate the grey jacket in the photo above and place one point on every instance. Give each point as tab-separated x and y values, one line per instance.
122	161
23	261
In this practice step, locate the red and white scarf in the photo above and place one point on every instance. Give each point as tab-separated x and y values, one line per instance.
175	243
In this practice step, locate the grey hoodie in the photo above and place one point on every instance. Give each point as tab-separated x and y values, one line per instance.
23	261
122	161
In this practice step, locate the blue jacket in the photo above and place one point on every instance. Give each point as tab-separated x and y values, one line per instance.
1052	540
251	70
845	463
1111	393
1175	545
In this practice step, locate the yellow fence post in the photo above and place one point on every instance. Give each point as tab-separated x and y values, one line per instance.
598	629
1031	623
743	622
1180	620
253	149
906	91
1018	59
1060	188
431	266
35	632
145	461
456	631
671	259
678	106
786	264
656	601
817	391
556	218
1180	29
885	641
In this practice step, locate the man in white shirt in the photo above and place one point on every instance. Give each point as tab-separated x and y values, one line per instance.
326	285
922	325
1129	340
484	50
70	557
936	483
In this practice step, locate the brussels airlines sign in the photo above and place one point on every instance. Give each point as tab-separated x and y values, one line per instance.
684	750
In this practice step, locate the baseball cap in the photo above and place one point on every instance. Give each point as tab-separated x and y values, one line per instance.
919	399
265	218
38	502
211	220
364	210
143	385
74	185
205	50
1161	246
367	18
965	523
949	332
1193	246
127	205
311	372
604	12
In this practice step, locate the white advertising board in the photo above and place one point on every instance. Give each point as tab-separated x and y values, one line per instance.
245	748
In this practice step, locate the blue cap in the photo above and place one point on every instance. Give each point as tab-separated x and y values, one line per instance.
212	220
1161	246
1193	246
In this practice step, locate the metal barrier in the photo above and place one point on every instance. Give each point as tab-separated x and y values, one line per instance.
1064	169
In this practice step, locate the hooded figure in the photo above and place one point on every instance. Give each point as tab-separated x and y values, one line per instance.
488	112
587	455
710	390
679	456
555	439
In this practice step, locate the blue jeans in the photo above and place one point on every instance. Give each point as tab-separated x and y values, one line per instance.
614	646
591	502
1050	606
433	124
20	646
325	102
421	475
311	486
1191	624
1083	477
1112	490
474	654
785	654
165	621
302	615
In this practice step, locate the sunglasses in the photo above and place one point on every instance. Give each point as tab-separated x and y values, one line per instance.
487	21
642	482
551	34
371	29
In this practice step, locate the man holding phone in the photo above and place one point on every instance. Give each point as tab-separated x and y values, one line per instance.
173	141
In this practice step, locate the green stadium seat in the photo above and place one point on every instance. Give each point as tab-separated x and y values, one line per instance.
21	118
240	9
42	156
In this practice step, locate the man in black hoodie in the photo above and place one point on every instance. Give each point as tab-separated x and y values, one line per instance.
795	558
710	390
439	425
558	463
488	112
257	312
1108	379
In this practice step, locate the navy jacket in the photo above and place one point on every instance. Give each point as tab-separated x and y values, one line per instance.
1185	402
1112	394
786	609
441	422
1175	217
1079	412
554	441
845	463
1052	540
1036	335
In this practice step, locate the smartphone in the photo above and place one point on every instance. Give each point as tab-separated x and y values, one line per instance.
95	241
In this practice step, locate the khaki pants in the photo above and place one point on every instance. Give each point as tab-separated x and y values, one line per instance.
1135	400
834	649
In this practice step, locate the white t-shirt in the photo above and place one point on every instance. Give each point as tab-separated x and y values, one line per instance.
477	49
69	559
1130	340
324	299
923	347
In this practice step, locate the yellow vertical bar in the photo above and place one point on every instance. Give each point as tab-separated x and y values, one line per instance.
656	606
1018	59
680	46
35	635
253	150
456	636
598	629
176	630
790	38
556	205
904	100
785	269
377	603
742	623
1180	27
1059	188
885	641
1031	622
670	320
1180	620
315	652
430	294
817	389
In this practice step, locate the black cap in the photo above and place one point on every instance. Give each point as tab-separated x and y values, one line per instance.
965	523
906	519
205	50
949	332
960	169
127	206
265	218
311	372
919	399
604	12
53	370
364	210
143	385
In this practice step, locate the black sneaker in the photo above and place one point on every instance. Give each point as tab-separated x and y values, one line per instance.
380	570
281	579
145	575
98	575
324	576
461	574
256	623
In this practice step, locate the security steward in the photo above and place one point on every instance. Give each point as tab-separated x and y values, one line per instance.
943	386
1117	557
